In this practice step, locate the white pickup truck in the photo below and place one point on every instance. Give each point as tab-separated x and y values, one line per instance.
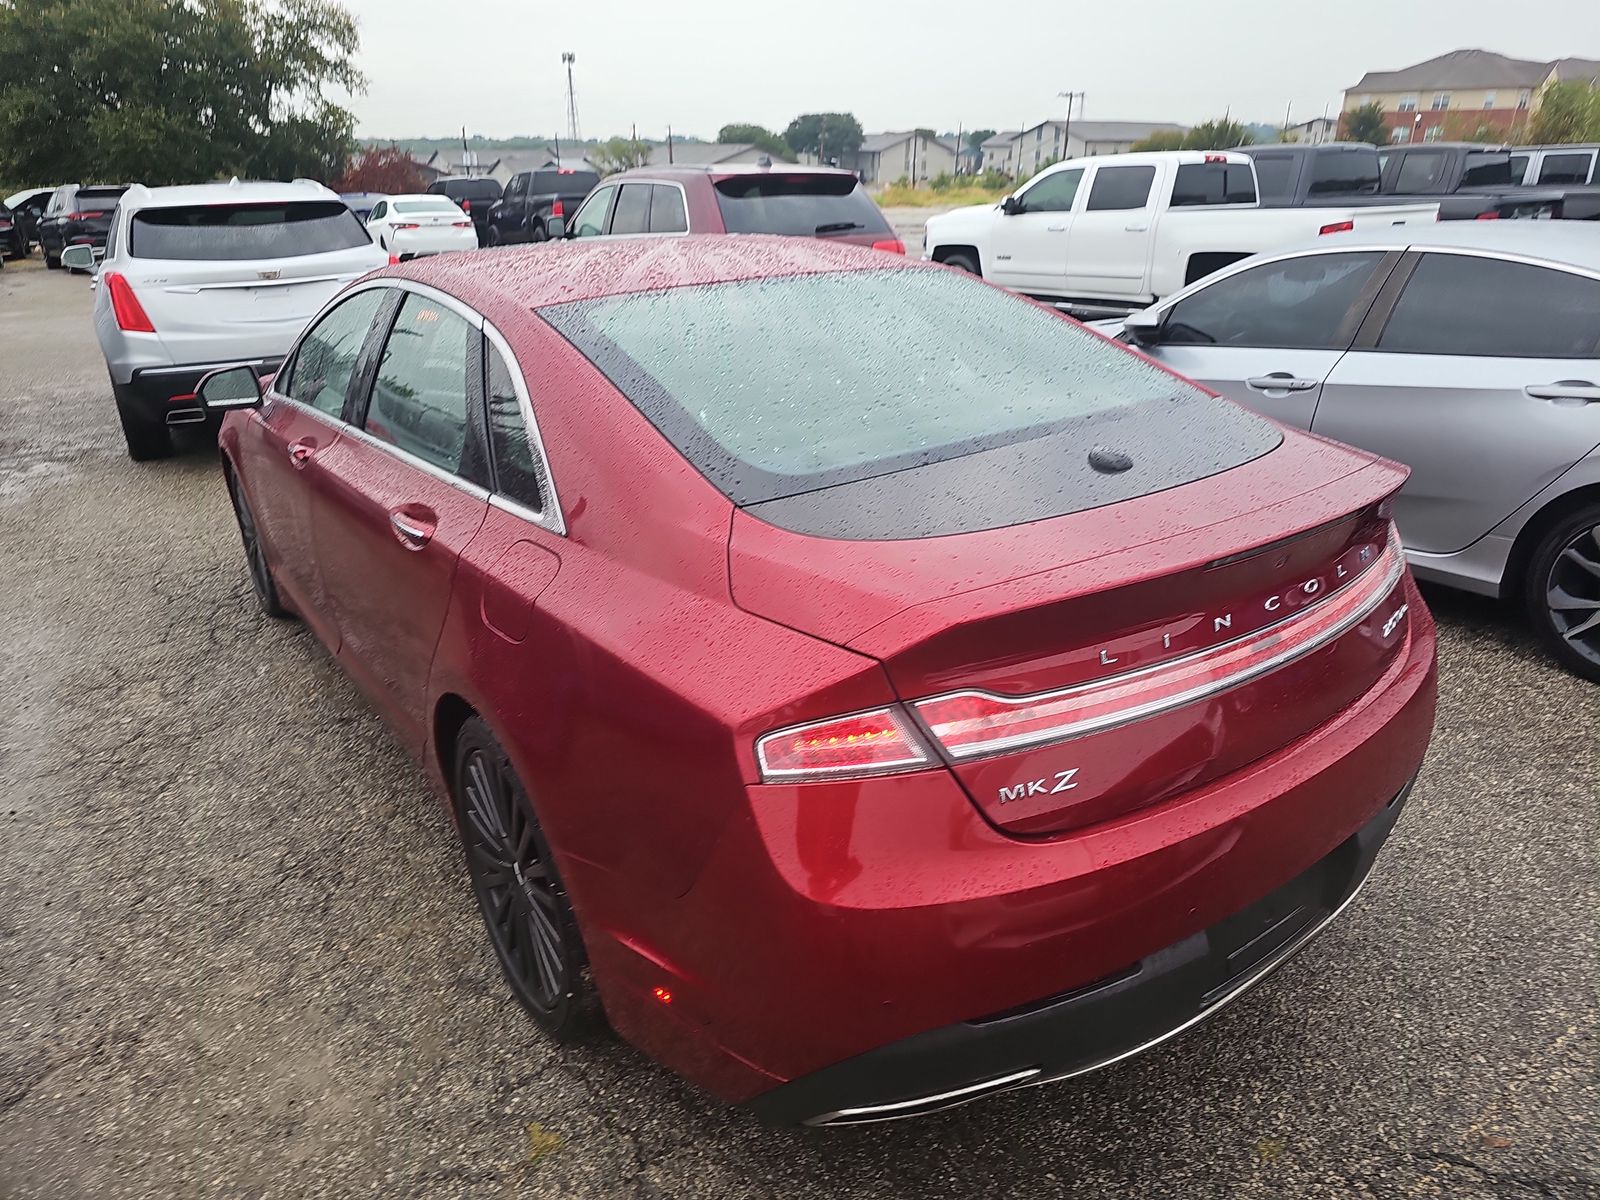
1117	232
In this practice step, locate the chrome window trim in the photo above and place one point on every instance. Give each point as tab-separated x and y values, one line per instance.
650	233
422	464
551	517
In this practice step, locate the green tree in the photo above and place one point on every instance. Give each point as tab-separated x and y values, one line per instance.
162	91
1568	112
1219	134
759	135
1366	124
824	134
1161	139
619	154
978	137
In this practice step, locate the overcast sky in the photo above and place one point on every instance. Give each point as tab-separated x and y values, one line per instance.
495	65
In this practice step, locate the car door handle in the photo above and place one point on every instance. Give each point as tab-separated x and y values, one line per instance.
1580	390
1055	228
1135	228
1280	381
413	531
300	453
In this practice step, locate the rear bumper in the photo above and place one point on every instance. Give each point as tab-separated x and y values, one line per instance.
1093	1026
167	394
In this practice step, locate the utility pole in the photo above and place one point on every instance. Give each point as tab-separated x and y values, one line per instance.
1066	135
669	145
568	58
960	129
1287	109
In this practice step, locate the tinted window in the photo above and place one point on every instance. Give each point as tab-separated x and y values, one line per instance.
419	400
800	205
101	199
778	386
1486	168
1565	168
666	211
1344	173
60	197
468	189
1274	176
235	231
1120	187
379	210
1460	304
1303	303
1202	183
516	463
322	369
564	183
517	188
1420	173
1053	193
591	218
1519	167
632	214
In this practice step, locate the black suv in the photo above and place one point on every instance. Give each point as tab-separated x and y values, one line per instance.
474	195
78	214
532	198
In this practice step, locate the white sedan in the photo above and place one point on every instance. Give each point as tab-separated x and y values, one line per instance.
409	226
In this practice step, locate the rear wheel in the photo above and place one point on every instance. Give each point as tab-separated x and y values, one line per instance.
525	909
963	261
147	439
492	238
255	554
540	233
51	261
1563	591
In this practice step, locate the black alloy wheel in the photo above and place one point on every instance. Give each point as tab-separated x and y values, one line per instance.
1564	591
525	908
255	555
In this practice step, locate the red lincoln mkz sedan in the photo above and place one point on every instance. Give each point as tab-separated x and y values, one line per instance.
870	688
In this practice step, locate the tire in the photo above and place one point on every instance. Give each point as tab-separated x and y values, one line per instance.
147	440
51	261
1562	591
541	233
255	554
963	261
492	238
531	926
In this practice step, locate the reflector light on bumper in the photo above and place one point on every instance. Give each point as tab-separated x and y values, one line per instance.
975	724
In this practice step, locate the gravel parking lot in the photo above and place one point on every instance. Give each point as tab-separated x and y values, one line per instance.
238	955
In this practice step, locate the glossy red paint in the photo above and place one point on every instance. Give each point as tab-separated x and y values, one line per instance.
630	665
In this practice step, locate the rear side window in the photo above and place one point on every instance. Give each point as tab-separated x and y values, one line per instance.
419	399
1307	303
1120	188
1519	167
1203	183
224	232
1463	304
517	469
632	214
1486	169
666	210
1566	168
1345	173
321	374
1420	172
810	205
1274	175
778	386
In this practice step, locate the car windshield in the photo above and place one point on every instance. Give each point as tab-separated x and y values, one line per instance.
438	204
777	386
238	231
799	205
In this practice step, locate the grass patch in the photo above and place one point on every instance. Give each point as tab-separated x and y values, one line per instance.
900	195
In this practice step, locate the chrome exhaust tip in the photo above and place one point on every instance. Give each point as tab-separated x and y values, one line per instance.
186	416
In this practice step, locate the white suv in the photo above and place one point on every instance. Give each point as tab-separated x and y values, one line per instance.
210	275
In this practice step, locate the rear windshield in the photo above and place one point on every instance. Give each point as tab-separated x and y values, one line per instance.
234	231
438	204
1213	183
1345	173
565	183
778	386
101	197
1486	168
797	205
469	189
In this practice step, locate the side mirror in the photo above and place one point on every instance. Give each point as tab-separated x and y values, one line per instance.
556	227
78	258
1144	328
230	388
1011	206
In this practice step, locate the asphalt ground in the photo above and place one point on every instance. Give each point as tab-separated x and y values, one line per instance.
239	957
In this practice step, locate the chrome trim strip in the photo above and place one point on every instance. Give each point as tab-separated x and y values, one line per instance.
940	1100
205	367
552	518
1073	729
422	464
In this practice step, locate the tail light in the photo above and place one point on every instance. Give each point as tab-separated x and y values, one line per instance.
1491	215
125	306
558	209
1216	158
394	260
1337	227
891	245
974	724
866	743
82	216
461	224
466	206
404	225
